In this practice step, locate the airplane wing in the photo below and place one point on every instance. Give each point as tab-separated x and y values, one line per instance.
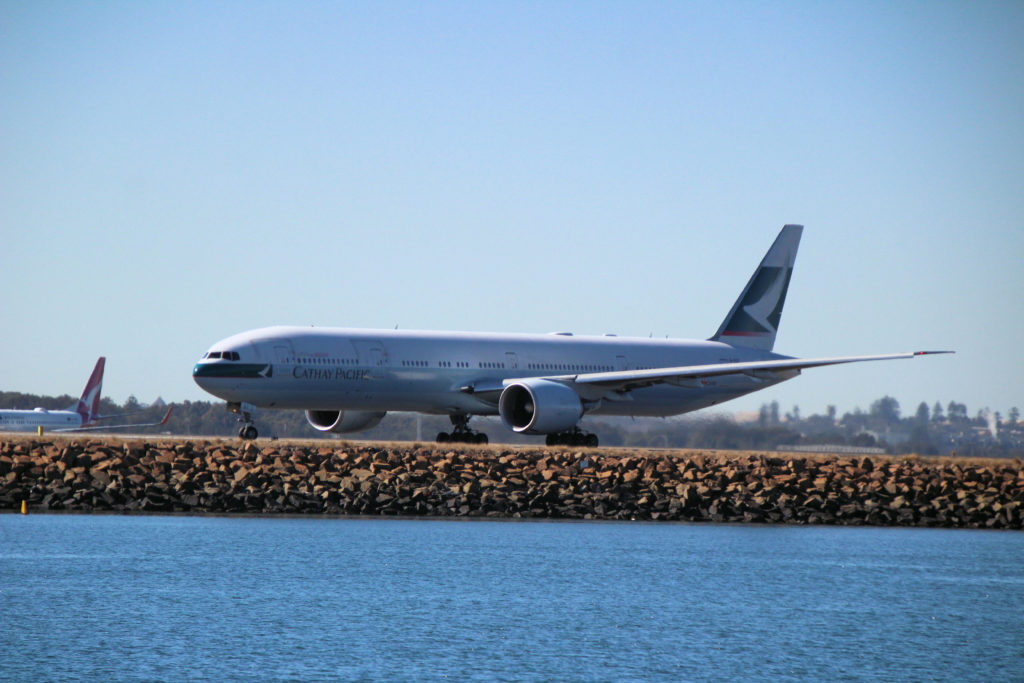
625	380
121	426
596	384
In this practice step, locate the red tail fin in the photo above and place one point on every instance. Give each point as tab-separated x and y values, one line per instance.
88	405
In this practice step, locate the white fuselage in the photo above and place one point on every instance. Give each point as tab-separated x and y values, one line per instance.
31	420
454	372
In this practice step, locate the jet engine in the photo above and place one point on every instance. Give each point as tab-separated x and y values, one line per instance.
343	421
539	406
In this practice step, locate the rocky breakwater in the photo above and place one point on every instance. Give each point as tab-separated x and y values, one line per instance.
84	474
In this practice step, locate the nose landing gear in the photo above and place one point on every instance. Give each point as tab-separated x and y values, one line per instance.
461	433
247	432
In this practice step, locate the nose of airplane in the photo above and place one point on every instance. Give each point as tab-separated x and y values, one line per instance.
212	378
226	379
205	376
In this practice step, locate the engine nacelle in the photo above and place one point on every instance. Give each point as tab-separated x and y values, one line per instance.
539	406
342	421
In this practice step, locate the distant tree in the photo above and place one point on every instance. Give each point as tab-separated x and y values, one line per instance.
211	419
864	440
957	412
132	404
886	410
920	441
19	401
793	415
854	422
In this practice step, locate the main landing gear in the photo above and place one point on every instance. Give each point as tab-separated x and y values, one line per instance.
461	433
574	437
247	432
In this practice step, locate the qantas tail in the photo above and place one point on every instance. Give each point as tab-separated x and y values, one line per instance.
754	319
88	405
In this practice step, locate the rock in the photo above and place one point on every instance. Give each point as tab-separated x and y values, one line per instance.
361	474
100	476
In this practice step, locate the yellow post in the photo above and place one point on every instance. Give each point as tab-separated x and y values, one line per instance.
24	510
40	430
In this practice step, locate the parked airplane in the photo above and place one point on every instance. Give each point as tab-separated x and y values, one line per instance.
76	418
347	379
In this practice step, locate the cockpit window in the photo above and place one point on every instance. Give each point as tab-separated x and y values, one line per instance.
226	355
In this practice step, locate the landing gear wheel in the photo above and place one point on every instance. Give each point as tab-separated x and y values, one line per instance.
461	433
247	432
576	437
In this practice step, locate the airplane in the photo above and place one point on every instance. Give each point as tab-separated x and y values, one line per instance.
347	379
78	417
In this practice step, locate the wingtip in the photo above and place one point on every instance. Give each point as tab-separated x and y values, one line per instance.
930	353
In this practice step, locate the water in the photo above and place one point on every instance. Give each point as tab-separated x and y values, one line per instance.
200	598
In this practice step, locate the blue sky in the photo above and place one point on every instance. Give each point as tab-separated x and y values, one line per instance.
173	173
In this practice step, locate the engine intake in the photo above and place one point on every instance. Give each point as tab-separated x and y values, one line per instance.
342	421
539	406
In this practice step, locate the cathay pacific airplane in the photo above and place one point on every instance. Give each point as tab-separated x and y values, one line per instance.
79	417
347	379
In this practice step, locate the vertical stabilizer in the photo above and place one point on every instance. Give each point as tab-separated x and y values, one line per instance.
754	319
88	405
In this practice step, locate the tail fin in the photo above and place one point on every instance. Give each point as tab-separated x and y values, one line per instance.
754	318
88	405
